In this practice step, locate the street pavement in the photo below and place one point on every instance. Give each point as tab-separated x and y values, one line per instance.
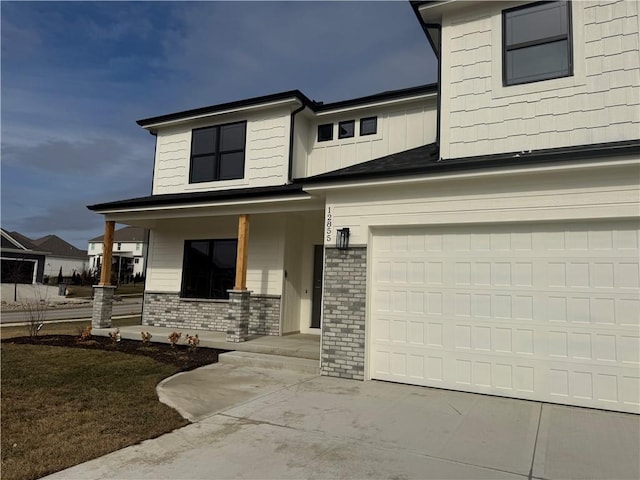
128	306
264	423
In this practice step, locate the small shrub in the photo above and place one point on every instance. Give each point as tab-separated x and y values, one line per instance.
173	338
115	336
146	338
192	341
85	333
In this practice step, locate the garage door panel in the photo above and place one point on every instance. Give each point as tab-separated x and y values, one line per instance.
547	312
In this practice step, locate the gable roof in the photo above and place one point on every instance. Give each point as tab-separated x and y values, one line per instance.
58	247
25	242
18	242
126	234
293	95
425	160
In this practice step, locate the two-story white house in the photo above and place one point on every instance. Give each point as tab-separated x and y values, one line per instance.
129	250
480	234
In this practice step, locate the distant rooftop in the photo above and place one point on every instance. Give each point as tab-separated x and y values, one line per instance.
126	234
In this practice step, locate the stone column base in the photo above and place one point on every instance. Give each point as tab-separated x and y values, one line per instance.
238	316
102	306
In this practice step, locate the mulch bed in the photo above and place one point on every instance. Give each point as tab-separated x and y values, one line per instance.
181	357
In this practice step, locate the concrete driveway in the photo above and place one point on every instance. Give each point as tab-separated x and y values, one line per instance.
260	423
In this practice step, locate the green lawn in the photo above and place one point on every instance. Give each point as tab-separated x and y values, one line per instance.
63	406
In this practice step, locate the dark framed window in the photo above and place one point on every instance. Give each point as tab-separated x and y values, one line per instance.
368	126
325	132
346	129
209	268
536	42
217	153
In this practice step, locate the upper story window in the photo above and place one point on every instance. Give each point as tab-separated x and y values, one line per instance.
536	42
368	126
325	132
138	246
119	246
217	153
92	246
346	129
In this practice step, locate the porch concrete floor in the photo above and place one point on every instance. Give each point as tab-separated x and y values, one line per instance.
294	345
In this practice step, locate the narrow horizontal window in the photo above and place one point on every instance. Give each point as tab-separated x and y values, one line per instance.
325	132
346	129
368	126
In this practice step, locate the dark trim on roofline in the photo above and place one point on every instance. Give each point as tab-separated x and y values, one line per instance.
297	94
379	97
415	6
293	94
511	159
200	197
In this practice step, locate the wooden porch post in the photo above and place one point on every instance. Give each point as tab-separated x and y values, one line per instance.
107	251
241	259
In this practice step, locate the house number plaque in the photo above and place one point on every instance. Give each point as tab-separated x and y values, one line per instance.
328	225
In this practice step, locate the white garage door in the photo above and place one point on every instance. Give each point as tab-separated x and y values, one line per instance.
544	312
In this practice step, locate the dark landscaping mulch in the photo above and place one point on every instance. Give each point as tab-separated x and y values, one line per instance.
181	357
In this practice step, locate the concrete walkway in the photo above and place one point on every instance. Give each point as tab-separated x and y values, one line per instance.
265	423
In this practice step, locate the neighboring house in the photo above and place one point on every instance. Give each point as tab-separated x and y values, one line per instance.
34	261
22	261
129	252
480	234
62	256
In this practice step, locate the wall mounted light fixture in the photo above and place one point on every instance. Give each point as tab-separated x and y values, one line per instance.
342	238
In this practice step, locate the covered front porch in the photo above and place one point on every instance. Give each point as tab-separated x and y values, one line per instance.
236	269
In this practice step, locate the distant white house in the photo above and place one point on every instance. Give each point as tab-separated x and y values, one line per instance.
129	252
61	257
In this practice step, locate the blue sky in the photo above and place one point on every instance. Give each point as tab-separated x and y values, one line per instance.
77	75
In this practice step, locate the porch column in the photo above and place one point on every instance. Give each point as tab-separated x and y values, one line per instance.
241	257
240	297
103	292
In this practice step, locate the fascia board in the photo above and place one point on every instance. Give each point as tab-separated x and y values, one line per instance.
375	104
248	108
493	172
188	206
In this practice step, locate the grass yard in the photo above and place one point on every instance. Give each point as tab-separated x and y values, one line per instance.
62	406
63	328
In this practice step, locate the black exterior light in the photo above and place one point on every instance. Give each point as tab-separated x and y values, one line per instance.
342	239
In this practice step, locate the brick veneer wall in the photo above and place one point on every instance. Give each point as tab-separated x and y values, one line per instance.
343	320
169	310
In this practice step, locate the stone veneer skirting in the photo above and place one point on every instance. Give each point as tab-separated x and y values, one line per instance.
163	309
343	321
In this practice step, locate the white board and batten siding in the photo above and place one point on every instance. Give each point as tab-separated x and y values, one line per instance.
599	103
398	128
265	259
524	286
266	154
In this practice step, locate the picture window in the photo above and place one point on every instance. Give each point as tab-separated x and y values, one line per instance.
217	153
209	268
